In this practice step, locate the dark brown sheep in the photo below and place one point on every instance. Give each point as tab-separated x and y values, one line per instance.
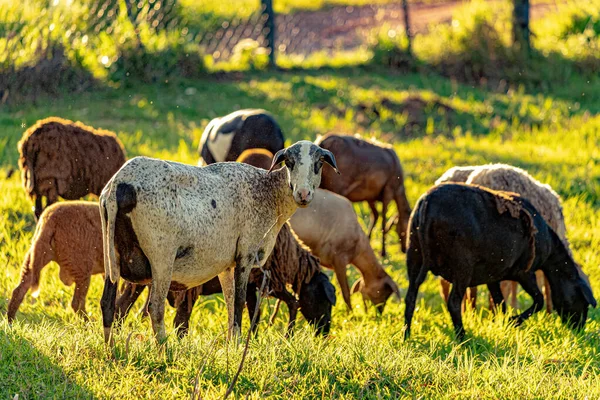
371	172
70	234
485	238
62	158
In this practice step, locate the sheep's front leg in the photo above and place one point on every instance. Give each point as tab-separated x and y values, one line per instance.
234	282
161	281
529	284
497	297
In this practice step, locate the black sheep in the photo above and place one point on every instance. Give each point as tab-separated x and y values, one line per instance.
472	236
225	138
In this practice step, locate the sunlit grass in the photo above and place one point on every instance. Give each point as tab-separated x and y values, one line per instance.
49	352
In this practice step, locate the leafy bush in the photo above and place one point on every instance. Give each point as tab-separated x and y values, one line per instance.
390	48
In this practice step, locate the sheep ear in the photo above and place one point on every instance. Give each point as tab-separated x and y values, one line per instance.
278	158
329	159
587	293
357	287
394	287
330	293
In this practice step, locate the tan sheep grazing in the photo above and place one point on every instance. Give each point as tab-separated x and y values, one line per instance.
330	228
62	158
70	234
544	199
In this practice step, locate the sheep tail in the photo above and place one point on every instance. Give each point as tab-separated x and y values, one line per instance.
108	216
39	254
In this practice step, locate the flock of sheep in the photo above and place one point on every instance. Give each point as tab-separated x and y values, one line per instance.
187	231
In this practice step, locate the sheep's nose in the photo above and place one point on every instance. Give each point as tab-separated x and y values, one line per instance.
304	195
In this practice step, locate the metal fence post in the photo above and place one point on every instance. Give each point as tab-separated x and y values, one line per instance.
407	26
521	24
269	16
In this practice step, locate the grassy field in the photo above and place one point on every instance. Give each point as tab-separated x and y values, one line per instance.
50	353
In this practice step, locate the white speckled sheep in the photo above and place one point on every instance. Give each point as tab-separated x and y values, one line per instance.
542	196
195	223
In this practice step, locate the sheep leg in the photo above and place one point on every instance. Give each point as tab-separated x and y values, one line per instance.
340	273
78	301
444	289
383	223
38	208
130	295
416	279
161	281
529	284
275	311
455	308
496	296
373	218
184	312
107	304
292	304
234	282
251	302
471	297
21	290
543	284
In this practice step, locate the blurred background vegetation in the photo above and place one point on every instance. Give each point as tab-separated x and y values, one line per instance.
51	46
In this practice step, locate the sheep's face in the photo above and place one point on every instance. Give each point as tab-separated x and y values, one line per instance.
317	297
572	301
377	291
304	162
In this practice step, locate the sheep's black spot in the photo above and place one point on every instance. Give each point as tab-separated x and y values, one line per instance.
261	254
183	251
126	197
250	258
213	203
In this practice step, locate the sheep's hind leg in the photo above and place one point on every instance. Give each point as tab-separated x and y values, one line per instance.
416	276
78	302
455	308
373	218
130	295
109	296
184	312
292	304
497	297
529	284
161	281
251	303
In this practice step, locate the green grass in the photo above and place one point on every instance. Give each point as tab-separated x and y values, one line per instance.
50	353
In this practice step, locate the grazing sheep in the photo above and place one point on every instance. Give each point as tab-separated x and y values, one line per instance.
484	238
289	263
61	158
70	234
544	199
330	228
225	138
371	172
193	224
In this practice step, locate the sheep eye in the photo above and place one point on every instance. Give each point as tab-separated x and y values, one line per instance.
289	164
318	166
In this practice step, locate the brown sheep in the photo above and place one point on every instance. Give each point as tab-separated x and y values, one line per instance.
543	197
62	158
371	172
329	227
70	234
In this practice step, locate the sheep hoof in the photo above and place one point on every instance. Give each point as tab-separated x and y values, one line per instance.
516	320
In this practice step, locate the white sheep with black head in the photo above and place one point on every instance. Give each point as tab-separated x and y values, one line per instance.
195	223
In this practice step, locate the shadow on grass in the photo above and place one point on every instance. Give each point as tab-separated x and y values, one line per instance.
25	371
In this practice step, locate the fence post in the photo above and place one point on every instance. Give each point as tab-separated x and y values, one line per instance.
407	26
521	24
269	16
